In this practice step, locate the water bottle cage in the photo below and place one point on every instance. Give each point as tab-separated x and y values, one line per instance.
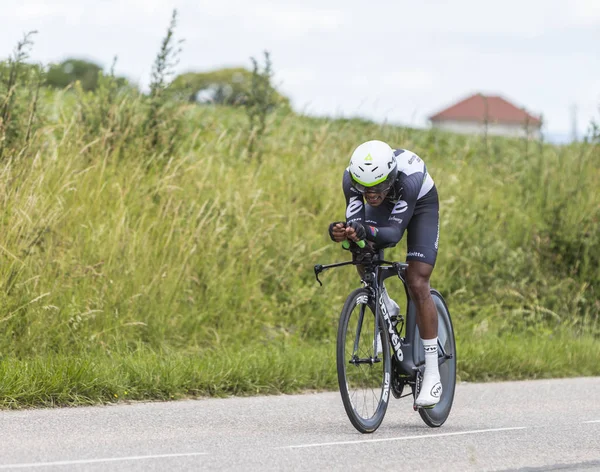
397	322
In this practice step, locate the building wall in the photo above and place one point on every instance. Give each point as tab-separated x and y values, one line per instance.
497	129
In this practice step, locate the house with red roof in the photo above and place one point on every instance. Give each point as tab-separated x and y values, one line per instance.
489	114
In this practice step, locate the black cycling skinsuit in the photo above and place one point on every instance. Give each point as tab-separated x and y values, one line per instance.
411	204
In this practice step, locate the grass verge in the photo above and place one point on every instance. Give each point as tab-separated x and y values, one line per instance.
97	378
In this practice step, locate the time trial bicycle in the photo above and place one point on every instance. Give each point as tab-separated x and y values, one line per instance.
378	351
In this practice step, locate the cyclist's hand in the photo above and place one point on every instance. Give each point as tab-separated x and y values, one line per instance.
337	231
355	231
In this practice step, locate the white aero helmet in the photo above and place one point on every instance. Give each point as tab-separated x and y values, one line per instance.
373	167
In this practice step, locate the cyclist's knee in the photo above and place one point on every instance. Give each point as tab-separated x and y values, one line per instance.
418	284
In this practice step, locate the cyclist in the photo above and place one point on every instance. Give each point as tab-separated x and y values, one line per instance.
400	195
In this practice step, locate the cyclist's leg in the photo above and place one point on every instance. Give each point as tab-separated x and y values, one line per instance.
422	245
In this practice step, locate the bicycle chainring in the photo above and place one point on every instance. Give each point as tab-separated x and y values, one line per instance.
397	383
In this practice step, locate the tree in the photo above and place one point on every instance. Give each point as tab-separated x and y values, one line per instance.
229	86
71	70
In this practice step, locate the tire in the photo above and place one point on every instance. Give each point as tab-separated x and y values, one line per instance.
436	416
364	386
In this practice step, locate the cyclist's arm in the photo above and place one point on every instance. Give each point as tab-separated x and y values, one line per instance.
355	204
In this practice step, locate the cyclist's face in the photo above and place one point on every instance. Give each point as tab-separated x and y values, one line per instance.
375	198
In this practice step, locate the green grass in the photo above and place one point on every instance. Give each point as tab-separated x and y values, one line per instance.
524	357
144	375
187	269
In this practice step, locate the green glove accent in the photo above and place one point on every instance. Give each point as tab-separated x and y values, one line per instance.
346	244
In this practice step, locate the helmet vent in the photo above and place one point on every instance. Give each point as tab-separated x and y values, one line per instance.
374	169
361	168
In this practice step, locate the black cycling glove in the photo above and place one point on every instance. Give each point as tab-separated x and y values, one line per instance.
331	228
361	233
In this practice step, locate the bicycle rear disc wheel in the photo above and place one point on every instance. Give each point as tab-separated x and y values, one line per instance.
363	362
437	415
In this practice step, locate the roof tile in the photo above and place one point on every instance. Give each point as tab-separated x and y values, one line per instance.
498	110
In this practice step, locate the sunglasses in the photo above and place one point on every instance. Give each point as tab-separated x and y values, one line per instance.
379	188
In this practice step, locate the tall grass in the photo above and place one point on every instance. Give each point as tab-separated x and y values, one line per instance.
103	251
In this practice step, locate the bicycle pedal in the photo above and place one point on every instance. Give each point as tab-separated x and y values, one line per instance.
417	408
424	407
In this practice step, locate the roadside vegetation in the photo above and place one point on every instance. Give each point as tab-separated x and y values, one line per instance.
158	247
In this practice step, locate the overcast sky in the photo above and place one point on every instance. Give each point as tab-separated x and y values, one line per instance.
393	60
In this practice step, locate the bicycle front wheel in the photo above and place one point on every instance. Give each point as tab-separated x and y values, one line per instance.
363	362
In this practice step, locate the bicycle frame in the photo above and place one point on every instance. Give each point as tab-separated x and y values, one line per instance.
406	355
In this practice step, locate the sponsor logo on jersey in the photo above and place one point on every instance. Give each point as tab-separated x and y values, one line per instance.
400	207
354	206
373	230
398	220
412	159
415	254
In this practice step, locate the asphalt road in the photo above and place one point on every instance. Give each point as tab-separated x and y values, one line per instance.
535	425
